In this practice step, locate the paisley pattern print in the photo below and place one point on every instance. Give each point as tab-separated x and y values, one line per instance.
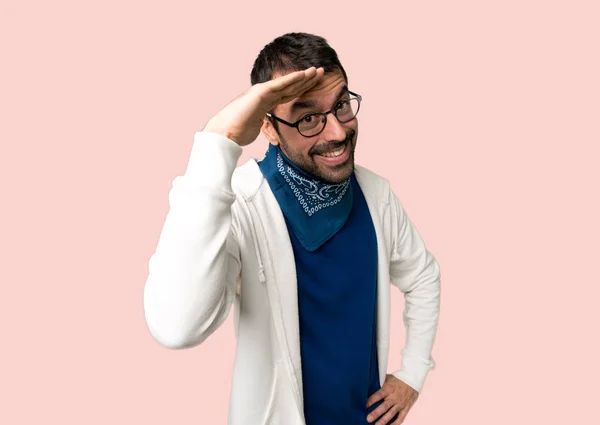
311	194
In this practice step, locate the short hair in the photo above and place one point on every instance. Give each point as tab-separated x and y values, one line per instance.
295	51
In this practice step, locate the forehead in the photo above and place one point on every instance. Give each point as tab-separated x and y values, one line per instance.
323	93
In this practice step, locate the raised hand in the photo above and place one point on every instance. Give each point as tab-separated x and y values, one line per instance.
242	118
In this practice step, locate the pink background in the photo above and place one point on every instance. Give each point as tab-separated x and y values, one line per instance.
485	116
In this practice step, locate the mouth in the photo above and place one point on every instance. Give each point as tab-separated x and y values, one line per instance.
334	157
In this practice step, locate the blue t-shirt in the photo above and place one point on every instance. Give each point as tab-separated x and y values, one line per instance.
337	298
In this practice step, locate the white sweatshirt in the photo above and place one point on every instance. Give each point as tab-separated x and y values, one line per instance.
225	241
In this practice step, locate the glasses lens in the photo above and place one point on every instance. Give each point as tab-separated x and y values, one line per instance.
347	109
311	124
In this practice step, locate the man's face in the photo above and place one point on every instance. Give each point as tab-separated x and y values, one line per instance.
316	155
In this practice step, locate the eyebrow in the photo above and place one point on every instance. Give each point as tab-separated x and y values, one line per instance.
306	104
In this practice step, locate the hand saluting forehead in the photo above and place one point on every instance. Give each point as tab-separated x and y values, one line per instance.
241	119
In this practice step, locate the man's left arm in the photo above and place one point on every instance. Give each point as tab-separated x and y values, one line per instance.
415	271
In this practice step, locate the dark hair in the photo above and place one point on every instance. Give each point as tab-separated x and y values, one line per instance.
294	51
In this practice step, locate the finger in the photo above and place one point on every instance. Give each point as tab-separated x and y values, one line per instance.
284	81
376	396
385	419
381	409
290	92
297	89
401	416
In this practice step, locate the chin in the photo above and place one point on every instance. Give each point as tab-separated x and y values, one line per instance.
338	173
338	176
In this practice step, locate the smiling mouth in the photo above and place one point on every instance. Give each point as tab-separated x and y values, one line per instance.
335	153
335	157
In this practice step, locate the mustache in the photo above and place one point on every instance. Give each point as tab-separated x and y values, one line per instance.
331	146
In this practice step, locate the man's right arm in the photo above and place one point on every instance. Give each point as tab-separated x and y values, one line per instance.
193	272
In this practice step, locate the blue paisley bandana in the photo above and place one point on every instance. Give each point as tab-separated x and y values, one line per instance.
314	210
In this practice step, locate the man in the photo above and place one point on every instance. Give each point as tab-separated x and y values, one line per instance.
305	244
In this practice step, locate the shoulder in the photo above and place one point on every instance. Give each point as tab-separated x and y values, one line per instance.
247	179
372	182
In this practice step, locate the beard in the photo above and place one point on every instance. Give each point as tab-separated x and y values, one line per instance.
330	174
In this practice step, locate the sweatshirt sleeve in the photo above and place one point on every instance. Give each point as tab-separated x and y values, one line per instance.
415	271
193	273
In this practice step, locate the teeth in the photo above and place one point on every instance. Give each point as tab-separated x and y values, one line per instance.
335	153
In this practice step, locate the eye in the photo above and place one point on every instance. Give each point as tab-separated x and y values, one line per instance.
341	104
307	119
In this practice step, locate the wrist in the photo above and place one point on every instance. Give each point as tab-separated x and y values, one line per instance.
214	128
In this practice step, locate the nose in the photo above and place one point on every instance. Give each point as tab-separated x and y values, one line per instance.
334	130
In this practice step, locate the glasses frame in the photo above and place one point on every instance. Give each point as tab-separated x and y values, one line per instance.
333	111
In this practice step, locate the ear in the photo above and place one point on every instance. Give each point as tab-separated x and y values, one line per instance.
269	131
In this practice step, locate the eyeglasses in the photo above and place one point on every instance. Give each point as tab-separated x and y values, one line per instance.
313	124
